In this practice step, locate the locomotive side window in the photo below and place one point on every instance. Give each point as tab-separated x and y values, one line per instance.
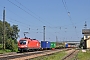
23	42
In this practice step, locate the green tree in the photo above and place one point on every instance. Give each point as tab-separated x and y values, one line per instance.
11	33
14	34
81	42
1	31
10	45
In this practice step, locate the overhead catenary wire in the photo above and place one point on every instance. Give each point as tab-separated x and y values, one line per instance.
25	19
10	19
28	26
24	27
51	27
28	13
67	11
69	15
32	12
21	23
26	8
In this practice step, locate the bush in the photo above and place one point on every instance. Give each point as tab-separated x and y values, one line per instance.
4	51
11	45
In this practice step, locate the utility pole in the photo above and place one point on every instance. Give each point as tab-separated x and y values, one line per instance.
44	33
56	40
4	28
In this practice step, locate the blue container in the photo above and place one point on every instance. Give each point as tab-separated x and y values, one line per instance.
45	44
66	46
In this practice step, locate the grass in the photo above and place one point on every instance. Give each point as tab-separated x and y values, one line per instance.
58	56
15	48
83	55
55	56
2	51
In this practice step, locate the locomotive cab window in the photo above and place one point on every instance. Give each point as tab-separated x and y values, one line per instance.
23	42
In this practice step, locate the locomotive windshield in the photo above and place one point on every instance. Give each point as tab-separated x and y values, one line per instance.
23	42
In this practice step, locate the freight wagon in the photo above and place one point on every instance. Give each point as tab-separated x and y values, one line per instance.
45	44
53	45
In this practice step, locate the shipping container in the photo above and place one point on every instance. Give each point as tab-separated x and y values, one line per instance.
66	45
45	44
53	45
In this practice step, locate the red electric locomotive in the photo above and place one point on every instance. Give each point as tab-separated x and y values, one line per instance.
27	44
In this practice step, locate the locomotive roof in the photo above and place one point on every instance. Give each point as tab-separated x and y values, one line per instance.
28	39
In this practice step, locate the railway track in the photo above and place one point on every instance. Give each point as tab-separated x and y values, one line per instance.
27	55
71	55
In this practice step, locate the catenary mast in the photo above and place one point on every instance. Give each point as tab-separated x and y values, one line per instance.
4	28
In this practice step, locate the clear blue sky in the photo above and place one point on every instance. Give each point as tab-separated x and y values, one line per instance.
64	19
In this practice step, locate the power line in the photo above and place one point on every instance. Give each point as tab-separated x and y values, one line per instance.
26	12
32	12
25	26
64	3
26	7
11	20
16	15
49	26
